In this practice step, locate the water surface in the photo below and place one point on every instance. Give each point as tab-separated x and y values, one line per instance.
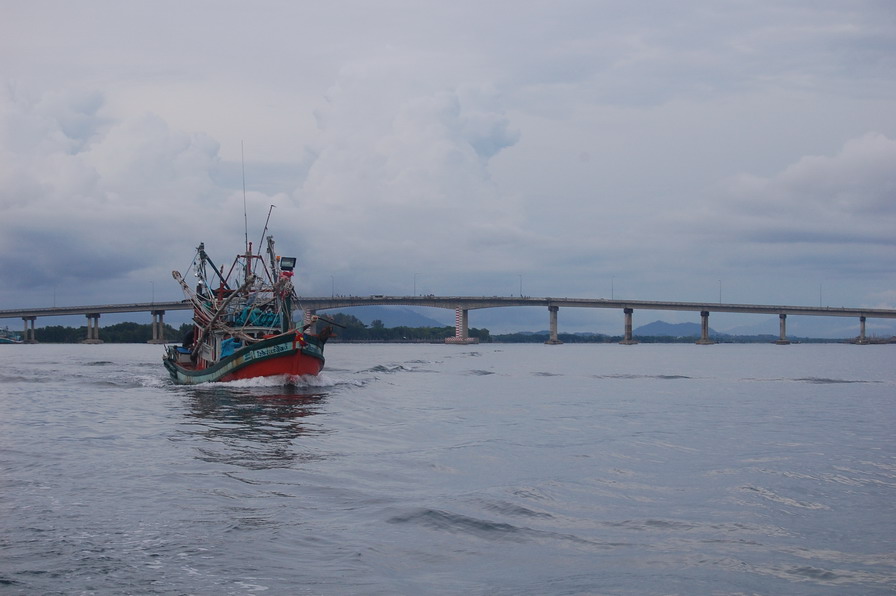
433	469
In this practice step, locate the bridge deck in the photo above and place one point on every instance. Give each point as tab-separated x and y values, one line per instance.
477	302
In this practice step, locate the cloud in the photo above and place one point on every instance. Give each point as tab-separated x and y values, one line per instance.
86	198
90	197
845	198
402	175
823	219
663	146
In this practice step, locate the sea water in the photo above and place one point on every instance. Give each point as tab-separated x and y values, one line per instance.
442	469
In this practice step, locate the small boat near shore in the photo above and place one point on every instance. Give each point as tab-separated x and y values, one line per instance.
243	325
9	337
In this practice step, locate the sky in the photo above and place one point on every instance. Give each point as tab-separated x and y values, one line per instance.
689	151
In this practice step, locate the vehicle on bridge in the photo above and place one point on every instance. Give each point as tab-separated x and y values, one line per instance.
243	325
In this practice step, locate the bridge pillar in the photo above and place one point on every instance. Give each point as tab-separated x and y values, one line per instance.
627	339
862	339
704	329
158	327
461	328
553	323
93	329
29	337
782	340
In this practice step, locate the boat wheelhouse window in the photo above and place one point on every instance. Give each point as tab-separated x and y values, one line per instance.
287	263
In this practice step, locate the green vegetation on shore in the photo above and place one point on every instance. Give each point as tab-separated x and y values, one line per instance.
120	333
598	338
351	329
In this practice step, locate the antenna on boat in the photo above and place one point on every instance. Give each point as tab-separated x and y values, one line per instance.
245	216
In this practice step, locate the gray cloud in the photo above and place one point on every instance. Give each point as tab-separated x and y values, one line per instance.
846	198
658	147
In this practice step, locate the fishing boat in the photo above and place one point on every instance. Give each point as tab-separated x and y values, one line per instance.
242	322
8	337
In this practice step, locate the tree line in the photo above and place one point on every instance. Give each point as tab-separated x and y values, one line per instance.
351	329
120	333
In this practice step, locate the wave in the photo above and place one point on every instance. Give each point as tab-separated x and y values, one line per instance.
382	368
453	522
153	381
23	379
437	519
776	498
513	510
826	381
632	376
813	380
297	381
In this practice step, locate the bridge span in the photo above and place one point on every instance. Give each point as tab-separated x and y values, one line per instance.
462	305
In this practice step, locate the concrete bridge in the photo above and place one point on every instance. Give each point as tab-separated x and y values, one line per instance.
462	305
156	309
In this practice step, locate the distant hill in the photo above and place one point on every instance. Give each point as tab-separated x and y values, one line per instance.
663	329
391	316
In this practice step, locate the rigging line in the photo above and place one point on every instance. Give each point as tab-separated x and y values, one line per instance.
192	263
266	222
265	231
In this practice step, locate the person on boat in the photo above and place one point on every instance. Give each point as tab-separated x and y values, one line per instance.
325	334
308	325
188	337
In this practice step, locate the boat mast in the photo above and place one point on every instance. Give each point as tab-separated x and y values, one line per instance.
248	265
247	273
245	214
203	259
283	288
272	256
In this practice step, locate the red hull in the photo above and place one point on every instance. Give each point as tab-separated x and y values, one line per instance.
292	354
293	364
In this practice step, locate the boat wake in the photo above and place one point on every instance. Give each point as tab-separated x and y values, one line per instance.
295	381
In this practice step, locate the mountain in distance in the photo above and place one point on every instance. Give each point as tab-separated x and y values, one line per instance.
797	327
392	316
664	329
399	316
